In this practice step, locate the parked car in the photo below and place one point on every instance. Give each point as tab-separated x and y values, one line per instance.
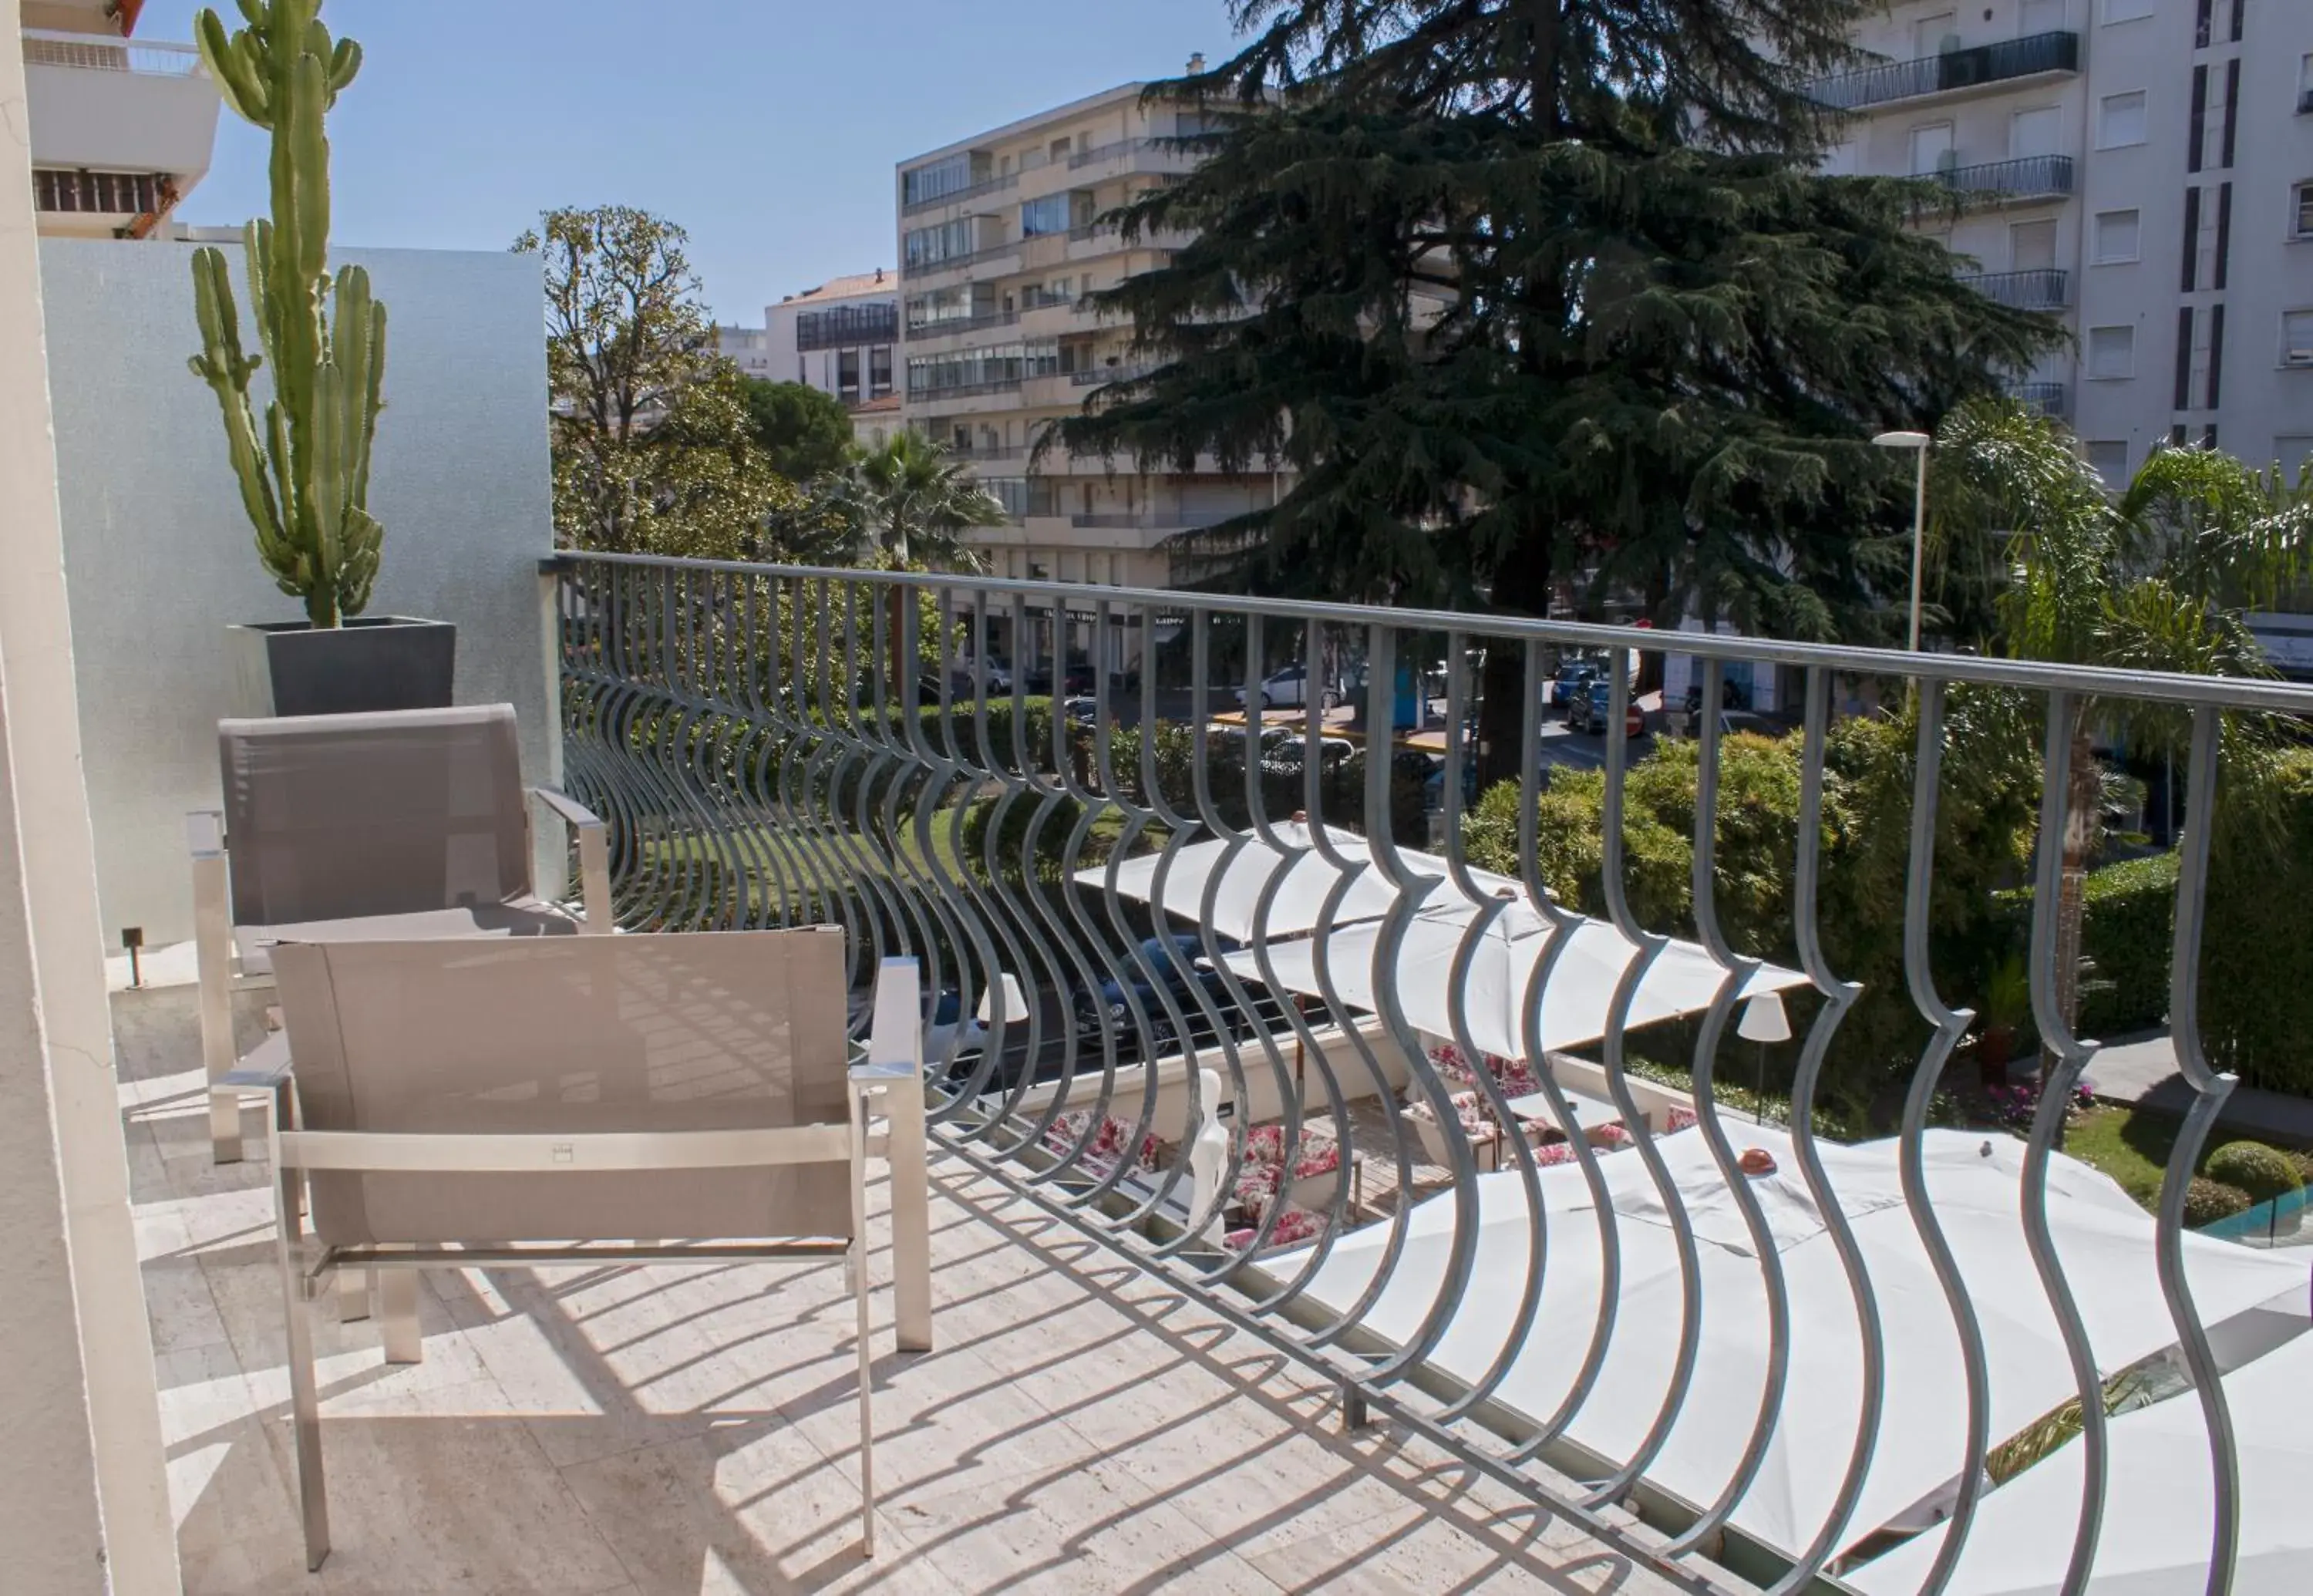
1730	696
1590	711
1174	959
1573	679
1287	688
999	672
1082	710
1291	753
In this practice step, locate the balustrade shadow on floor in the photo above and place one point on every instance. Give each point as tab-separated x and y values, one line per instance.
1082	1426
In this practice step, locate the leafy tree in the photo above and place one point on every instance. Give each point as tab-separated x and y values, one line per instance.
1526	292
805	433
653	450
2148	581
912	502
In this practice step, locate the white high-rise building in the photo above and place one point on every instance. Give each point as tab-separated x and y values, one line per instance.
2154	165
1001	243
841	338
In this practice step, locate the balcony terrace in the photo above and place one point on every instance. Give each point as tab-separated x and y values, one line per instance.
1969	70
1225	1015
2040	288
2012	183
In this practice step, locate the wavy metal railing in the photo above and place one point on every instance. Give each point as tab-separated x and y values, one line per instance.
778	746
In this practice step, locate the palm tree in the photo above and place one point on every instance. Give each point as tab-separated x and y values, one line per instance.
2155	579
912	502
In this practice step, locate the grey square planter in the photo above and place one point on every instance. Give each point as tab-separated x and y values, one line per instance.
373	662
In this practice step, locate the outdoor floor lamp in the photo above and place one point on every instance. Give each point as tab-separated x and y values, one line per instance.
1917	442
1764	1021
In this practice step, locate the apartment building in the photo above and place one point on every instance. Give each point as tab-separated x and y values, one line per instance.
2147	168
1002	241
120	128
841	338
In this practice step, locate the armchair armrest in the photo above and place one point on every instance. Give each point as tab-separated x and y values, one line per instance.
593	856
204	840
894	1063
264	1070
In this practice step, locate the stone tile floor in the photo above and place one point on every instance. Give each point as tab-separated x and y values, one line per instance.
1080	1427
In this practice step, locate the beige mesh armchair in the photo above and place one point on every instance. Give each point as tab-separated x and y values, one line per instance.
401	824
579	1100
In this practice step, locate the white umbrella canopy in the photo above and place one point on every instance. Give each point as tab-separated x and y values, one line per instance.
1308	877
2159	1508
2106	1243
1576	998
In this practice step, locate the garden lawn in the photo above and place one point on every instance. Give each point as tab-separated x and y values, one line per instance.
2133	1145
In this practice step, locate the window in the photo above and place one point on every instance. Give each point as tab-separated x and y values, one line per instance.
879	371
2109	460
923	245
2035	132
2300	223
2293	452
2032	246
2120	119
1041	216
2297	338
1932	36
2305	84
2116	237
1932	149
2112	353
2126	11
847	375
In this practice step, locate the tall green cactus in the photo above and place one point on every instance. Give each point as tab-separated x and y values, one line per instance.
304	478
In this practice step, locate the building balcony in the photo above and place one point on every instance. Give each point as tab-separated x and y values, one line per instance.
2010	182
847	326
2040	289
1245	1235
955	326
117	108
2047	398
1969	70
1008	253
979	191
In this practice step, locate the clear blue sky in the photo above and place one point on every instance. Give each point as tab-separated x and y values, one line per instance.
768	129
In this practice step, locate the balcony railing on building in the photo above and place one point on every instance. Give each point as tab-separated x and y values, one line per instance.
2027	176
923	268
95	53
2041	288
985	186
1386	1107
2046	399
1967	67
103	193
845	325
974	323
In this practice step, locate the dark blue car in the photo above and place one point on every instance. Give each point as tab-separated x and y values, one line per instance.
1173	959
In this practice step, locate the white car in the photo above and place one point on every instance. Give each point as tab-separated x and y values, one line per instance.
1286	689
1293	753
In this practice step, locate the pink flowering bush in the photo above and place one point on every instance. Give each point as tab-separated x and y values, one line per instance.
1107	1147
1294	1226
2014	1107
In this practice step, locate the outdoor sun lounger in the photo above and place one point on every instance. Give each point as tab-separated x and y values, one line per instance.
464	1104
403	823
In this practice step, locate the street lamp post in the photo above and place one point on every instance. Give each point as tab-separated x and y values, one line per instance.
1917	442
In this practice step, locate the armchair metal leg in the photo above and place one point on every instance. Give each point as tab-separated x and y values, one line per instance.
396	1300
856	1272
911	1221
304	1399
355	1294
212	953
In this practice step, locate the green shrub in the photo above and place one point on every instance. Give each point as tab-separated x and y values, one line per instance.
2263	1172
2128	913
2208	1201
2257	964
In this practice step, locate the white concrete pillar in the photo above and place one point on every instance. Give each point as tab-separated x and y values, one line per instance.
86	1505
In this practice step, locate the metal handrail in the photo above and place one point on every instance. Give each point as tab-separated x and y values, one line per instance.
51	46
2037	289
790	746
915	269
2027	174
994	185
962	324
1966	68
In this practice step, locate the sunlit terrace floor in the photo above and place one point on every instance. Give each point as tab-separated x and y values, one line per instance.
1081	1427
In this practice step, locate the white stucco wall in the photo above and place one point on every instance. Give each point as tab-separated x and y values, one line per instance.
157	551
